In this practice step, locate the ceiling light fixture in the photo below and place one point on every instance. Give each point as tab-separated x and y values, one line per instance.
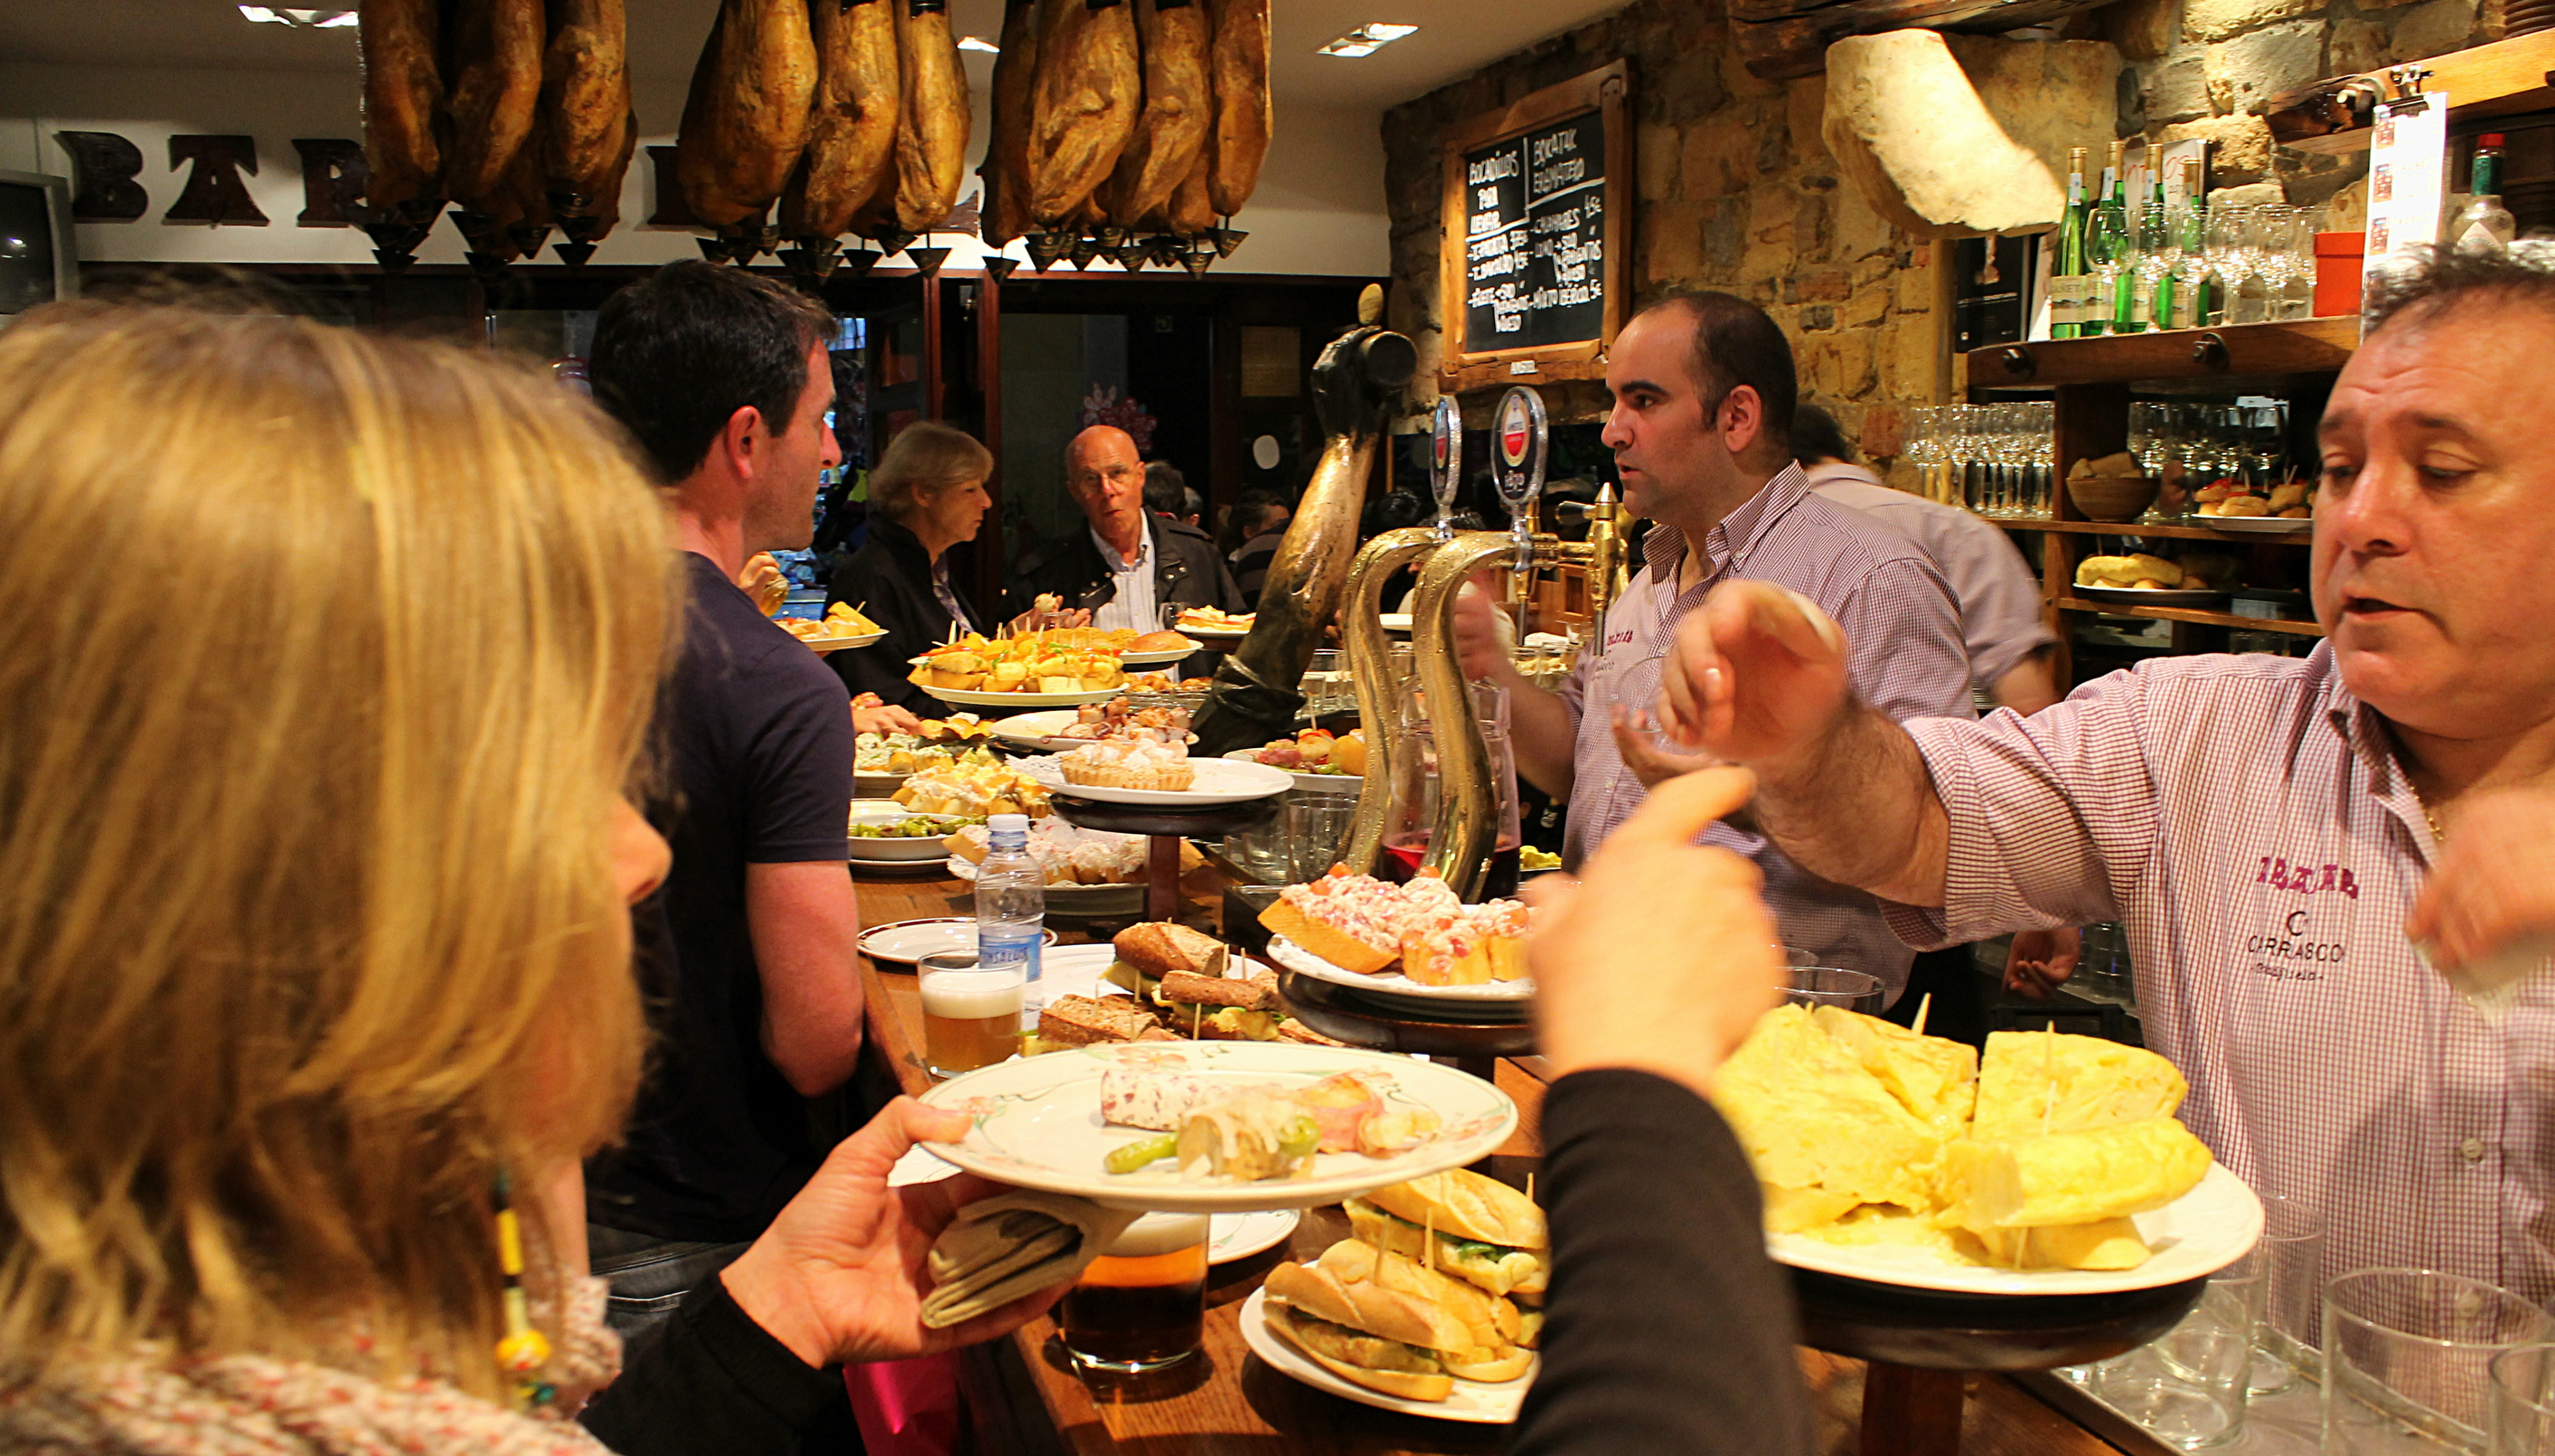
1368	39
332	19
979	43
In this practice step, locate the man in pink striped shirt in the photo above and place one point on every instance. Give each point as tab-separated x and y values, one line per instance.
1701	430
2298	848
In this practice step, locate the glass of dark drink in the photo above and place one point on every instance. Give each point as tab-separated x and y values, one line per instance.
1141	1305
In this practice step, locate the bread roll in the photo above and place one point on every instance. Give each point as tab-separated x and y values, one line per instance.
1468	1205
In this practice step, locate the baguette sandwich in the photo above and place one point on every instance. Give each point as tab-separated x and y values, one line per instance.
1487	1233
1390	1325
1157	948
1082	1020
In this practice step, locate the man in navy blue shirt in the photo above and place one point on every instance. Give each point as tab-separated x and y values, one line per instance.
721	379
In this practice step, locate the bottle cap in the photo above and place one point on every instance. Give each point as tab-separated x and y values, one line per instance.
2488	139
1008	824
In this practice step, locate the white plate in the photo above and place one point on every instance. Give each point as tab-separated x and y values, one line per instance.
1075	900
1037	730
1075	970
1217	781
1233	1236
825	645
894	851
1337	782
2181	596
2256	525
1161	655
1397	987
1038	1123
2194	1236
1472	1400
904	942
1214	634
1396	621
974	699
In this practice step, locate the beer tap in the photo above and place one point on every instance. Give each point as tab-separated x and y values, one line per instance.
1446	462
1524	441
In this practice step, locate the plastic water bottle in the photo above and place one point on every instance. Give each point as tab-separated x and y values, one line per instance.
1010	905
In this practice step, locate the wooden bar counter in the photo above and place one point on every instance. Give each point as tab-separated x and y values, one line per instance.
1023	1397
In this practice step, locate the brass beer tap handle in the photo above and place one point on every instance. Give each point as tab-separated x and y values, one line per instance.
1371	673
1459	846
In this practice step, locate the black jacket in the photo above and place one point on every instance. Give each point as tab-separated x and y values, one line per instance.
892	575
1186	569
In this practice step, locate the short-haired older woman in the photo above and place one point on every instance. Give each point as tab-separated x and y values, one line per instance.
926	495
313	872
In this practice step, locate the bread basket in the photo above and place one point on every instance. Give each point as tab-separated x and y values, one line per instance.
2112	497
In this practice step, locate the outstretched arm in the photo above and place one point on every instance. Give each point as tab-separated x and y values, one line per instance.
1758	676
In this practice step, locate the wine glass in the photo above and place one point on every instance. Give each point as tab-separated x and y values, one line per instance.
2229	226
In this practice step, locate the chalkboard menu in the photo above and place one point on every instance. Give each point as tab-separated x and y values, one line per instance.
1536	230
1534	244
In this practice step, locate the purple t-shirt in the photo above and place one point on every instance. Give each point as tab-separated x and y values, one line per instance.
754	738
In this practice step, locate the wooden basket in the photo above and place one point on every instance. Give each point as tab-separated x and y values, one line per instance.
2112	497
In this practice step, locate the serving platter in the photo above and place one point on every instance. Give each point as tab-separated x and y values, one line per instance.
2180	596
1214	634
1236	1236
1335	782
823	645
1037	730
895	851
2193	1237
1075	900
1396	621
1217	781
903	942
1398	989
1476	1402
1038	1123
2256	525
1162	655
969	697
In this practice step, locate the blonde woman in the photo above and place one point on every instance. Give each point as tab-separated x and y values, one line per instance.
926	495
313	874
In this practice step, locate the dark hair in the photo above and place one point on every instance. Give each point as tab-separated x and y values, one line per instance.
1816	436
1166	493
2434	280
1736	344
1247	518
677	353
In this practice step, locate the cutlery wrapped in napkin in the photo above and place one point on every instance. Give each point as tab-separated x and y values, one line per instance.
1000	1248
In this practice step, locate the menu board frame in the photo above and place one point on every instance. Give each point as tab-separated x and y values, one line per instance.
1473	363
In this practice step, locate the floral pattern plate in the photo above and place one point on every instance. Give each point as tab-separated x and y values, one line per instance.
1038	1123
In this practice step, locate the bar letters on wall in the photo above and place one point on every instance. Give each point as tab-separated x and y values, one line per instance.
105	169
1538	222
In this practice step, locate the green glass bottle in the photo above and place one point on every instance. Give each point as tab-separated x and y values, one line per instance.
2109	251
2067	275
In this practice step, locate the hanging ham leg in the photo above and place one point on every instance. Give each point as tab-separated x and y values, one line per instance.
931	137
746	120
851	135
1007	159
495	63
1089	90
1171	129
404	118
1189	212
587	127
1239	62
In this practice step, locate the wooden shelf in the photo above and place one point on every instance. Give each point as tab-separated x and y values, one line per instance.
2503	79
2191	614
2145	530
2236	351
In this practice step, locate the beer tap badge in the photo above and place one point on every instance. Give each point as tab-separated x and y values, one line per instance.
1446	474
1524	439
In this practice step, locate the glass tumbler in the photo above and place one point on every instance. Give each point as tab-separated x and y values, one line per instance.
2407	1357
1316	823
1830	986
1141	1305
2292	1251
2522	1420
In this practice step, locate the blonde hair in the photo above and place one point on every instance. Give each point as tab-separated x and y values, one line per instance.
306	921
924	457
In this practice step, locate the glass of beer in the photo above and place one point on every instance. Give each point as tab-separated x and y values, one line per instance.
971	1014
1140	1306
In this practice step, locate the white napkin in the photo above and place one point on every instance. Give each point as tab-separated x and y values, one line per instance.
1000	1248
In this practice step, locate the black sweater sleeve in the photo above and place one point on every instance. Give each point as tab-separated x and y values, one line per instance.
1668	1332
712	1382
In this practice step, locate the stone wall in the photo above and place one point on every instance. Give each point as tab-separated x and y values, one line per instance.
1736	191
1736	188
2199	68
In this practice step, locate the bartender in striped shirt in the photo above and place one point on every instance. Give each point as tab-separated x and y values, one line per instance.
1701	430
2298	847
